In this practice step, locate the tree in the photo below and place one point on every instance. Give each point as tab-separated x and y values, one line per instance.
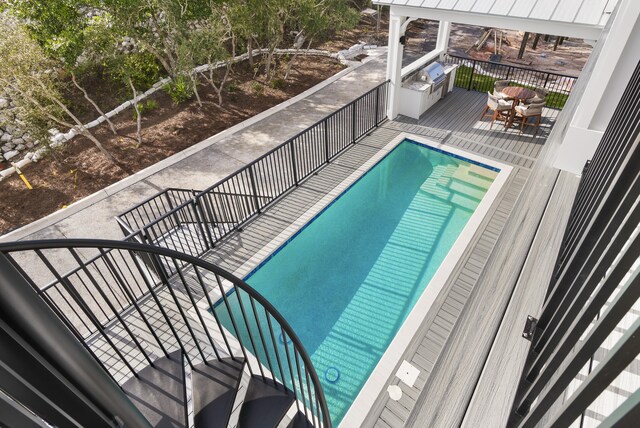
33	81
160	27
60	30
208	46
267	24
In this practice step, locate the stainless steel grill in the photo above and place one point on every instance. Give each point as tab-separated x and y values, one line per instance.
433	73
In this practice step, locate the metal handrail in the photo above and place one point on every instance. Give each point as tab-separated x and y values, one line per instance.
525	76
511	66
159	256
282	162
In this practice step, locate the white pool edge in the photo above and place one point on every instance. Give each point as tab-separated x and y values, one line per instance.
374	386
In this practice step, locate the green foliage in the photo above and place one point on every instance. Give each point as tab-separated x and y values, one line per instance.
58	26
278	83
484	83
232	87
145	107
25	78
179	89
257	88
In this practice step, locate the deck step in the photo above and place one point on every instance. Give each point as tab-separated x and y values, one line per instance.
299	421
215	386
159	392
264	405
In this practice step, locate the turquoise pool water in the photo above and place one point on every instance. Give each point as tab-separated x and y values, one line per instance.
349	278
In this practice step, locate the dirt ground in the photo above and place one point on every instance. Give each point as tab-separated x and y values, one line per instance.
79	169
569	58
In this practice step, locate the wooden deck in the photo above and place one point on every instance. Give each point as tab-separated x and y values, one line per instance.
453	121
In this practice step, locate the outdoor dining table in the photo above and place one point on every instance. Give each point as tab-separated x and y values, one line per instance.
517	93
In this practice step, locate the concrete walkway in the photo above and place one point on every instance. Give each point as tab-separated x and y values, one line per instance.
207	162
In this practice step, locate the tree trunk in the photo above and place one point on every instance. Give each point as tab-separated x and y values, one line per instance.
523	45
535	42
250	52
138	114
268	64
93	103
194	82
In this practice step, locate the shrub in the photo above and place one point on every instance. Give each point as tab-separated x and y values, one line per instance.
257	88
277	83
180	89
145	107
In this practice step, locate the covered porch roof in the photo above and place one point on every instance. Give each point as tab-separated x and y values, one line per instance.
568	18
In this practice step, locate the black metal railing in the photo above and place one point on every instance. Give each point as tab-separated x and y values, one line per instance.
127	308
477	75
192	222
595	285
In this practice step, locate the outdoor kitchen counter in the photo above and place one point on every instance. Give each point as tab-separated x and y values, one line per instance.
417	96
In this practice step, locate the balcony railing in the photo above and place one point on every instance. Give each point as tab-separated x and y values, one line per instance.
129	308
594	288
194	221
478	75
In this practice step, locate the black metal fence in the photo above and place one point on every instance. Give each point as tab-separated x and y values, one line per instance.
194	221
127	308
595	285
477	75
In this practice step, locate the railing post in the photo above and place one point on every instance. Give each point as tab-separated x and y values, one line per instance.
171	207
326	139
254	188
293	161
353	122
201	224
473	67
377	106
203	220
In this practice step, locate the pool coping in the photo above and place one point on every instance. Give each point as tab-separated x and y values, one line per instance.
374	385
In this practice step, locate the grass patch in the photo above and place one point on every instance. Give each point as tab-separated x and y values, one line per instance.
484	83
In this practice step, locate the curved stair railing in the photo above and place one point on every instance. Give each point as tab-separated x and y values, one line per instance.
186	340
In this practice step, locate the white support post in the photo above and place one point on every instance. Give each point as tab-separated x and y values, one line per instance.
444	31
394	63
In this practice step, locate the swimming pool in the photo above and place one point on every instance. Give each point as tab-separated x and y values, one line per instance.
348	279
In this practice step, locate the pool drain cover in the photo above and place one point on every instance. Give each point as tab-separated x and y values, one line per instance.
332	374
281	337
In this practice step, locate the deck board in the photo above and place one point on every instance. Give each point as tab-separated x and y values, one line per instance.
243	251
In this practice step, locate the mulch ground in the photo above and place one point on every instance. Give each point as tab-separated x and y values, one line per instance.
78	169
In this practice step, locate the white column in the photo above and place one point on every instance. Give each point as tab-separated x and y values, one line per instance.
444	31
394	63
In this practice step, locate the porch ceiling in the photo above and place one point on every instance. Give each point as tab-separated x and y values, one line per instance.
569	18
